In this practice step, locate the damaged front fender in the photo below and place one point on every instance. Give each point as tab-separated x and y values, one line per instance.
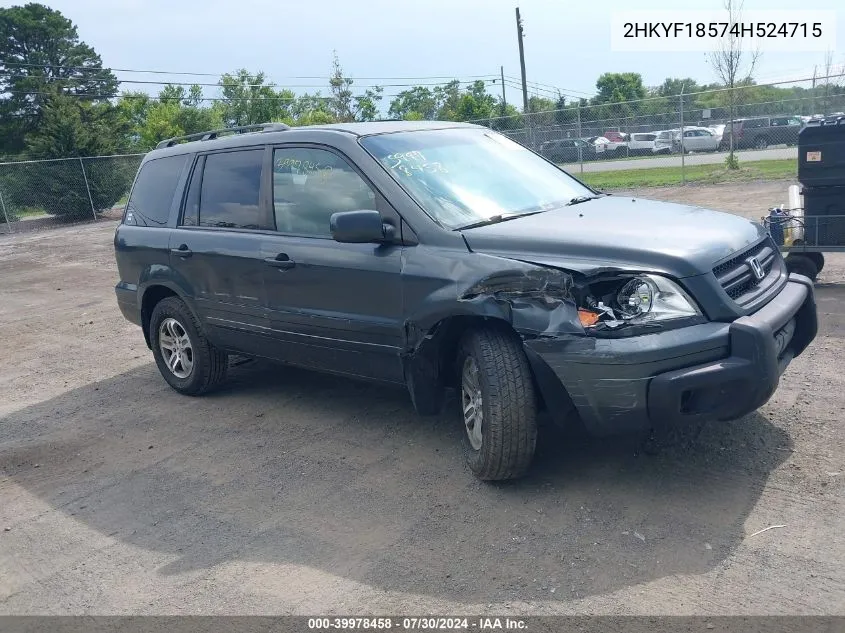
536	301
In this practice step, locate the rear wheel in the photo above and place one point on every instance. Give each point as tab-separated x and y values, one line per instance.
761	143
498	404
186	359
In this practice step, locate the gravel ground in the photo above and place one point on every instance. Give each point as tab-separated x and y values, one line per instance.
291	492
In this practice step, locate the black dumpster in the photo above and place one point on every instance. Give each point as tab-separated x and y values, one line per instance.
821	171
821	153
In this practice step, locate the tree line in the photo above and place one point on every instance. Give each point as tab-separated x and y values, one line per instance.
58	100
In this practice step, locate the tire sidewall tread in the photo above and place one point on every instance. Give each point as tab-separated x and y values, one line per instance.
210	364
509	431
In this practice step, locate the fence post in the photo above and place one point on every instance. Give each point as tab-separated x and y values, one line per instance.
5	215
88	189
683	149
580	149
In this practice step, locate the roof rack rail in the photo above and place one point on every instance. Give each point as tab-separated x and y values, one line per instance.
212	134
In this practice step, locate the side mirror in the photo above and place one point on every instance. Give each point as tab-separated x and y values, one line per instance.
360	227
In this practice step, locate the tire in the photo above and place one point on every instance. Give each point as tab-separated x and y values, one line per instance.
203	367
504	388
802	265
761	143
817	259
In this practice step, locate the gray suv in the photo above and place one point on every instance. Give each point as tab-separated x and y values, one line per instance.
441	256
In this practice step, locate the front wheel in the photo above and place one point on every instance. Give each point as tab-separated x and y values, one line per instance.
498	404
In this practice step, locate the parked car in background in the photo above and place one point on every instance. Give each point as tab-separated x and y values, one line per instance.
719	130
568	150
697	139
664	142
642	143
616	146
760	132
601	144
615	136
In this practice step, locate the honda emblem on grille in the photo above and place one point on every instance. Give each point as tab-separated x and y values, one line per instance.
756	268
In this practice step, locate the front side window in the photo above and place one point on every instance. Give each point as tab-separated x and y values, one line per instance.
309	185
229	194
461	176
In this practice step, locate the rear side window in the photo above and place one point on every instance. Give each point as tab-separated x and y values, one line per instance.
229	193
152	196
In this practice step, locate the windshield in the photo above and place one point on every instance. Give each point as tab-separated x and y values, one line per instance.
462	176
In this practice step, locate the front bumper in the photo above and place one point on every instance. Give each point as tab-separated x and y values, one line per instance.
711	371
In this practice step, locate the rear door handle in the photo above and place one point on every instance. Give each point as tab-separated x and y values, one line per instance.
182	251
280	261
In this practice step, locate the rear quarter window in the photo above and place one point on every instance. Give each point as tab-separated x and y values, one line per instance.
155	187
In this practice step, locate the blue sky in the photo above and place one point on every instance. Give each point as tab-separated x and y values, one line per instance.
567	43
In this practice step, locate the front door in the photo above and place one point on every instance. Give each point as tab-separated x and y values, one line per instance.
331	306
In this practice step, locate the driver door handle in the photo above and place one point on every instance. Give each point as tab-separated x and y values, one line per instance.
281	261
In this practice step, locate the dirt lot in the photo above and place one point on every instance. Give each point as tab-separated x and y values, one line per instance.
289	492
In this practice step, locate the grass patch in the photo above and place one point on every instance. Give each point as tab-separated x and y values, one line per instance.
19	214
781	169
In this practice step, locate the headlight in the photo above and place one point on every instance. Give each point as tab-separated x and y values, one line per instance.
641	299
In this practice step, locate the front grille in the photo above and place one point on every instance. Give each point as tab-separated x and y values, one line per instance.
737	279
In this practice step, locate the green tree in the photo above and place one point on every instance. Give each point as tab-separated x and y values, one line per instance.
344	104
419	101
366	105
447	97
507	118
476	103
73	127
672	87
41	56
248	100
133	109
618	87
309	109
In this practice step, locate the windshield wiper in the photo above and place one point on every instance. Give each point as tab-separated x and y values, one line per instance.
495	219
580	199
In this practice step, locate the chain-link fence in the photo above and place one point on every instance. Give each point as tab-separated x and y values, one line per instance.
672	139
37	193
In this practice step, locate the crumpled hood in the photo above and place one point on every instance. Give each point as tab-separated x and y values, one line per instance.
613	233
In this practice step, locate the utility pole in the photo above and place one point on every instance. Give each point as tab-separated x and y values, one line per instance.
504	99
683	149
813	93
522	62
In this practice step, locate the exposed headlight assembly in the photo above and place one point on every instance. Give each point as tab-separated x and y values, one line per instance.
637	300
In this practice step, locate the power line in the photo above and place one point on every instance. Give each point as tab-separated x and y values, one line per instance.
198	74
550	86
551	90
240	85
182	98
689	94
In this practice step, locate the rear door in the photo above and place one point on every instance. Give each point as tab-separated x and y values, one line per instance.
142	241
331	306
216	248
